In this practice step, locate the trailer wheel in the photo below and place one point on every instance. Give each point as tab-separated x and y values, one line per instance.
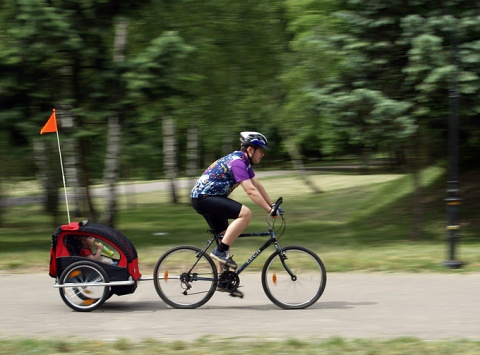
80	292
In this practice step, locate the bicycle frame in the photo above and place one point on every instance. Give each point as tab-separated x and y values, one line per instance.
271	240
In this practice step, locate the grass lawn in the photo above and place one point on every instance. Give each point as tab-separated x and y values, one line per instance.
359	223
332	346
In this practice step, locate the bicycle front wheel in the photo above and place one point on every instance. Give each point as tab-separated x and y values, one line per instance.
295	278
185	277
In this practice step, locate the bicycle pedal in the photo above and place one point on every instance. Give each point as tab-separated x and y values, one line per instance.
236	293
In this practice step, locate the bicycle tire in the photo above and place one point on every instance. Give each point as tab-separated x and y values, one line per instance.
185	277
298	293
84	298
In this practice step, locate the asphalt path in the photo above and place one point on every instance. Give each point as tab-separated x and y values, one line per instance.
128	189
375	306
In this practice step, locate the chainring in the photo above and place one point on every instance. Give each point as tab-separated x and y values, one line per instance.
228	280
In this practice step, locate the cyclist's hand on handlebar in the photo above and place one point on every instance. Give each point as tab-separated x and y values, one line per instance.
277	212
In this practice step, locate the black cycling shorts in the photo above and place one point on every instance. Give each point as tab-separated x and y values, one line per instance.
217	210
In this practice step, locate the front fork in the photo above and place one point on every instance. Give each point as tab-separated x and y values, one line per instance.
283	258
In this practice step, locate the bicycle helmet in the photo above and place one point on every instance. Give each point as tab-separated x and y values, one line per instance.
253	139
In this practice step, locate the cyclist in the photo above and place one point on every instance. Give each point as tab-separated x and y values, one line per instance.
210	193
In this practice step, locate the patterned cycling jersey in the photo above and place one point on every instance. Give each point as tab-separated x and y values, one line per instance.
223	176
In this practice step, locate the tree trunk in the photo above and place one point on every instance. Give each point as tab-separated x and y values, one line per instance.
2	202
49	177
416	229
297	162
4	172
417	208
365	158
111	169
84	177
193	156
114	133
170	156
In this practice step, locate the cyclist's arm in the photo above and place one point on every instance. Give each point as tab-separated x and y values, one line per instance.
262	190
255	194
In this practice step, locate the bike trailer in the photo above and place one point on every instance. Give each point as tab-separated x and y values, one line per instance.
65	250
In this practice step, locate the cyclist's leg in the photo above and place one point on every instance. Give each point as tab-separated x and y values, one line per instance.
233	231
237	226
215	218
217	210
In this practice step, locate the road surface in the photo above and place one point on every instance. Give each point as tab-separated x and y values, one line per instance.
376	306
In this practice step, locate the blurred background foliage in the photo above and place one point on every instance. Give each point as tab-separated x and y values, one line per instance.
324	80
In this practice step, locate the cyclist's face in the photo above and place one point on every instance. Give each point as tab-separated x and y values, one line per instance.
257	155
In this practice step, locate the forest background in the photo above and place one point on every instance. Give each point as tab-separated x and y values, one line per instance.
159	89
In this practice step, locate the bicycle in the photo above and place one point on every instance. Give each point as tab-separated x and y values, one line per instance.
293	277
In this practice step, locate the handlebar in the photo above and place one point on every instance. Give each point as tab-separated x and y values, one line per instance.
271	220
276	206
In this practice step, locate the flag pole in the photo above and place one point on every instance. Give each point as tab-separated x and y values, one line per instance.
51	126
63	177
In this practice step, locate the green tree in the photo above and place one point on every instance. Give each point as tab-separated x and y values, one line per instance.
391	71
443	56
58	53
237	57
156	80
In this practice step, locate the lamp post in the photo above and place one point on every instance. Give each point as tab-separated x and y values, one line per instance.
453	200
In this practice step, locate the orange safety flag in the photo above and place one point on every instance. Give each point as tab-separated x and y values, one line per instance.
51	125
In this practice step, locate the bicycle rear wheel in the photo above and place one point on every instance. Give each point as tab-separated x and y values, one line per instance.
185	277
300	289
